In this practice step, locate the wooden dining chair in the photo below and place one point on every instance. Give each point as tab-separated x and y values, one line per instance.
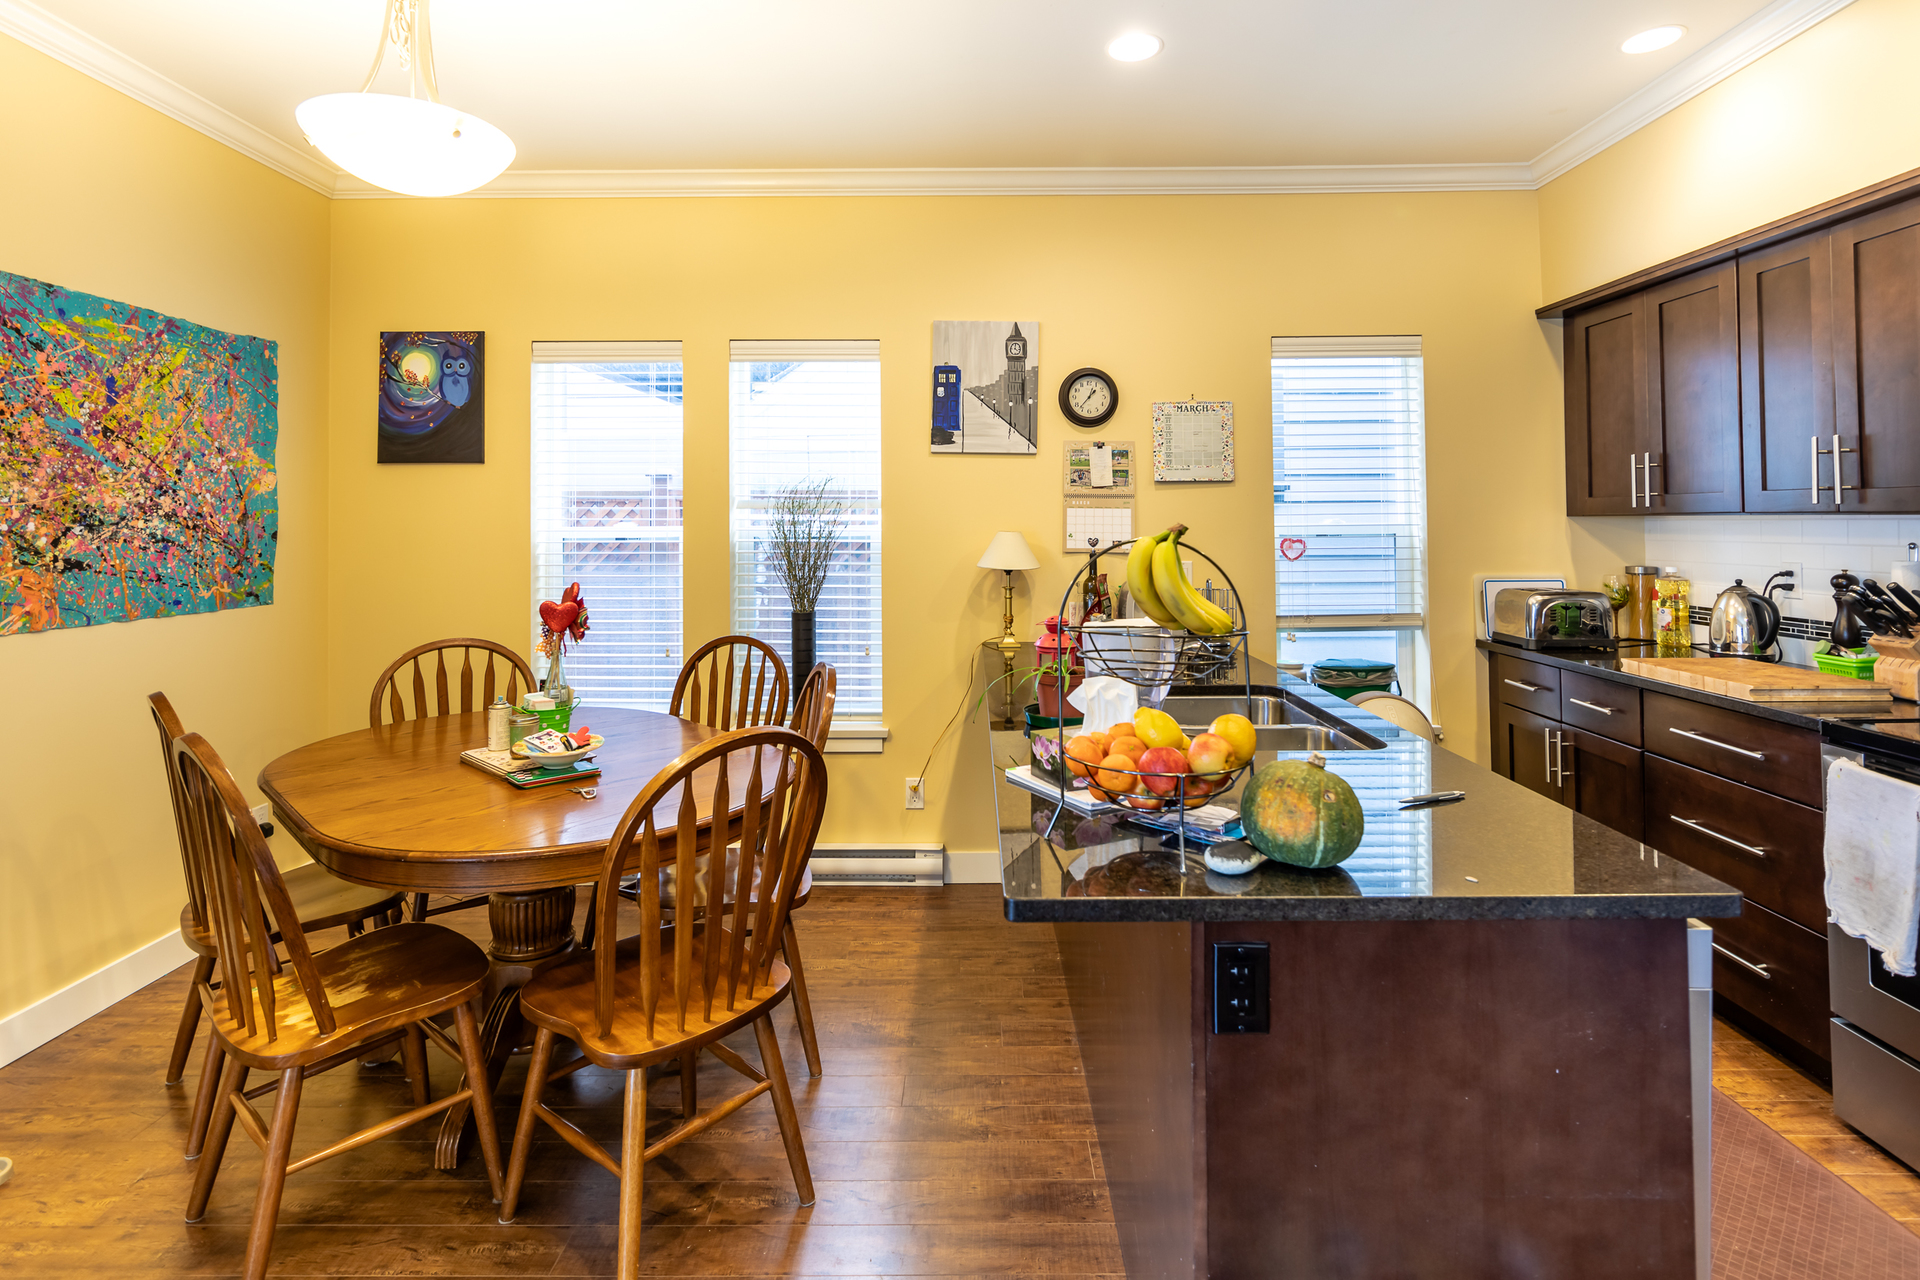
314	1010
502	672
732	683
320	900
676	991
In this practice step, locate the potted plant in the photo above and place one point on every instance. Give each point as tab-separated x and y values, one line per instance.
804	532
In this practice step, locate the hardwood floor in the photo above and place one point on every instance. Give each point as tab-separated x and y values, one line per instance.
944	1140
1800	1109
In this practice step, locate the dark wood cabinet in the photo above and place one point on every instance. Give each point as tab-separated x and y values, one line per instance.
1653	396
1876	360
1601	778
1692	448
1606	365
1786	373
1533	749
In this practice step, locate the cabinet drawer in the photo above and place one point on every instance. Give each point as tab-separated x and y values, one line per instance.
1605	707
1533	686
1767	848
1777	972
1728	744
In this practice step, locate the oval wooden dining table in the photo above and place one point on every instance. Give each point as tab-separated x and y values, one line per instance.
395	807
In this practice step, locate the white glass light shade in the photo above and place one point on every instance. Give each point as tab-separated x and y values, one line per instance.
1008	551
1135	46
409	145
1655	38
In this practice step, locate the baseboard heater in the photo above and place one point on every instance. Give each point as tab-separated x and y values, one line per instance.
904	864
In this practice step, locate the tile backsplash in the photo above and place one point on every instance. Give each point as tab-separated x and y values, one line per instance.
1711	551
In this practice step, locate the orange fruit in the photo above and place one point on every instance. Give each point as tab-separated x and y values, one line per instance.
1083	753
1114	774
1131	748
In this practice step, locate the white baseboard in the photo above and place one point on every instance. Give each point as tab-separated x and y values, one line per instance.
23	1032
973	866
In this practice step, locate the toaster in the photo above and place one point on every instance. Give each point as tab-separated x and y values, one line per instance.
1552	619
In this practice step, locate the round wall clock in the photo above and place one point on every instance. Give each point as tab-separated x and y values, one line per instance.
1088	397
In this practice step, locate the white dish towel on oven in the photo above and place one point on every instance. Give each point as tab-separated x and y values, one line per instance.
1873	860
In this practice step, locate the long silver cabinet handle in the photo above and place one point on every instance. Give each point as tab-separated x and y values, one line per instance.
1646	483
1547	738
1593	706
1561	757
1709	831
1743	962
1530	688
1633	481
1813	470
1837	486
1715	742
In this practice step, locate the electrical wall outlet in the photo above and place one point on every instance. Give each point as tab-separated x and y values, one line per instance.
263	814
1798	575
916	793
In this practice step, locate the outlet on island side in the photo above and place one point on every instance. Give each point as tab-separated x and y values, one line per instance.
916	793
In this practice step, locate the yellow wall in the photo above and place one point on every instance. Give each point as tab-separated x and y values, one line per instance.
1834	110
1175	296
107	196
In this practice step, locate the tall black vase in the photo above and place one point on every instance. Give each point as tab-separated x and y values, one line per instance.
802	647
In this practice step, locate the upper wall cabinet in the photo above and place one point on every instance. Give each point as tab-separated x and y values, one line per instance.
1786	373
1876	361
1653	400
1784	378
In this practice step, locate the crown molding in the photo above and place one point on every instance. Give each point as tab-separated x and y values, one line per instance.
1234	180
35	27
1745	44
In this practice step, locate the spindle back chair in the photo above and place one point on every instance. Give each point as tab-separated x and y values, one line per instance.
813	704
501	672
734	682
320	900
313	1010
675	991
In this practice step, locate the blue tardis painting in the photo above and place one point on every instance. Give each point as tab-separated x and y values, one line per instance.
433	403
946	403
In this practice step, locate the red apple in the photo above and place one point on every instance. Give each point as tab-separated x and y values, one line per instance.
1210	756
1144	802
1163	766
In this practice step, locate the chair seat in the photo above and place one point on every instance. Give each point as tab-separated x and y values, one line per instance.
321	899
561	1000
381	980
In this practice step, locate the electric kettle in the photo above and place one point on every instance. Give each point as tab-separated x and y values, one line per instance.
1744	622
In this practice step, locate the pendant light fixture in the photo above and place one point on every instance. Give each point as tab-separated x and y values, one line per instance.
411	145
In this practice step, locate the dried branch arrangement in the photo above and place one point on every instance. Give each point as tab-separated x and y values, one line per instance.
804	531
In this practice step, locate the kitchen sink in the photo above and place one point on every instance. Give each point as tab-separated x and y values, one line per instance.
1279	724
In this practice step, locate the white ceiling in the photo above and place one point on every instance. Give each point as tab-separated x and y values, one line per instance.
997	84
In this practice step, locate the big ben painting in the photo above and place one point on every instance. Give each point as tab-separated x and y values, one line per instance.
986	386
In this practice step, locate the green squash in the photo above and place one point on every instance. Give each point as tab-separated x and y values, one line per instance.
1296	812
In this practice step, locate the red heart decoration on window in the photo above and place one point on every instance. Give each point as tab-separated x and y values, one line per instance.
1293	548
558	616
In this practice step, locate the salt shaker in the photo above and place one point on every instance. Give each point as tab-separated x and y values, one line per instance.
497	724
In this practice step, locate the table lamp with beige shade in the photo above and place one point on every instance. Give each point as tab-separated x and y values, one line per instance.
1008	552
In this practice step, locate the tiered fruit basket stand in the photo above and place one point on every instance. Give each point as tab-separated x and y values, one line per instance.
1188	659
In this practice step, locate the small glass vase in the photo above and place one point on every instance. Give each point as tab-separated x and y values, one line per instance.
556	687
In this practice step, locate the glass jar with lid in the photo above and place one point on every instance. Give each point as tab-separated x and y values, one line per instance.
1636	620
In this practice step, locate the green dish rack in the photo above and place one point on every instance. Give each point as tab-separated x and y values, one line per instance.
1845	664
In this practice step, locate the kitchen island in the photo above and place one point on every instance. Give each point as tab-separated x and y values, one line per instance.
1475	1059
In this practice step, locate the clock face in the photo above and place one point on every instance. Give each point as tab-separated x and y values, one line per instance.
1088	397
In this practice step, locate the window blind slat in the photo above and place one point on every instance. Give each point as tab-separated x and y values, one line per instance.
1349	479
607	513
796	421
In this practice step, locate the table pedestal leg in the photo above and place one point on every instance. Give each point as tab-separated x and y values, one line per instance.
531	931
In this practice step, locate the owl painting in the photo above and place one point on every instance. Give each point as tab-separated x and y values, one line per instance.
432	397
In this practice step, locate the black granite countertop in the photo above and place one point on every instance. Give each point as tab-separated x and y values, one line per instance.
1607	667
1503	853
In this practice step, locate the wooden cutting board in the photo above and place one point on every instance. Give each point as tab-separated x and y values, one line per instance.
1756	681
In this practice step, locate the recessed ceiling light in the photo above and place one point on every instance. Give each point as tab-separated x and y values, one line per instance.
1135	46
1648	41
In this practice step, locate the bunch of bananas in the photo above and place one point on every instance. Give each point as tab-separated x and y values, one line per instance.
1160	587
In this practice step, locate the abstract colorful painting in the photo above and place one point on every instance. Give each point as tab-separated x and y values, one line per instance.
433	397
136	462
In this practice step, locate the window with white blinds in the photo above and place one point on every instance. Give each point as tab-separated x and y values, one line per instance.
803	413
607	501
1349	482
